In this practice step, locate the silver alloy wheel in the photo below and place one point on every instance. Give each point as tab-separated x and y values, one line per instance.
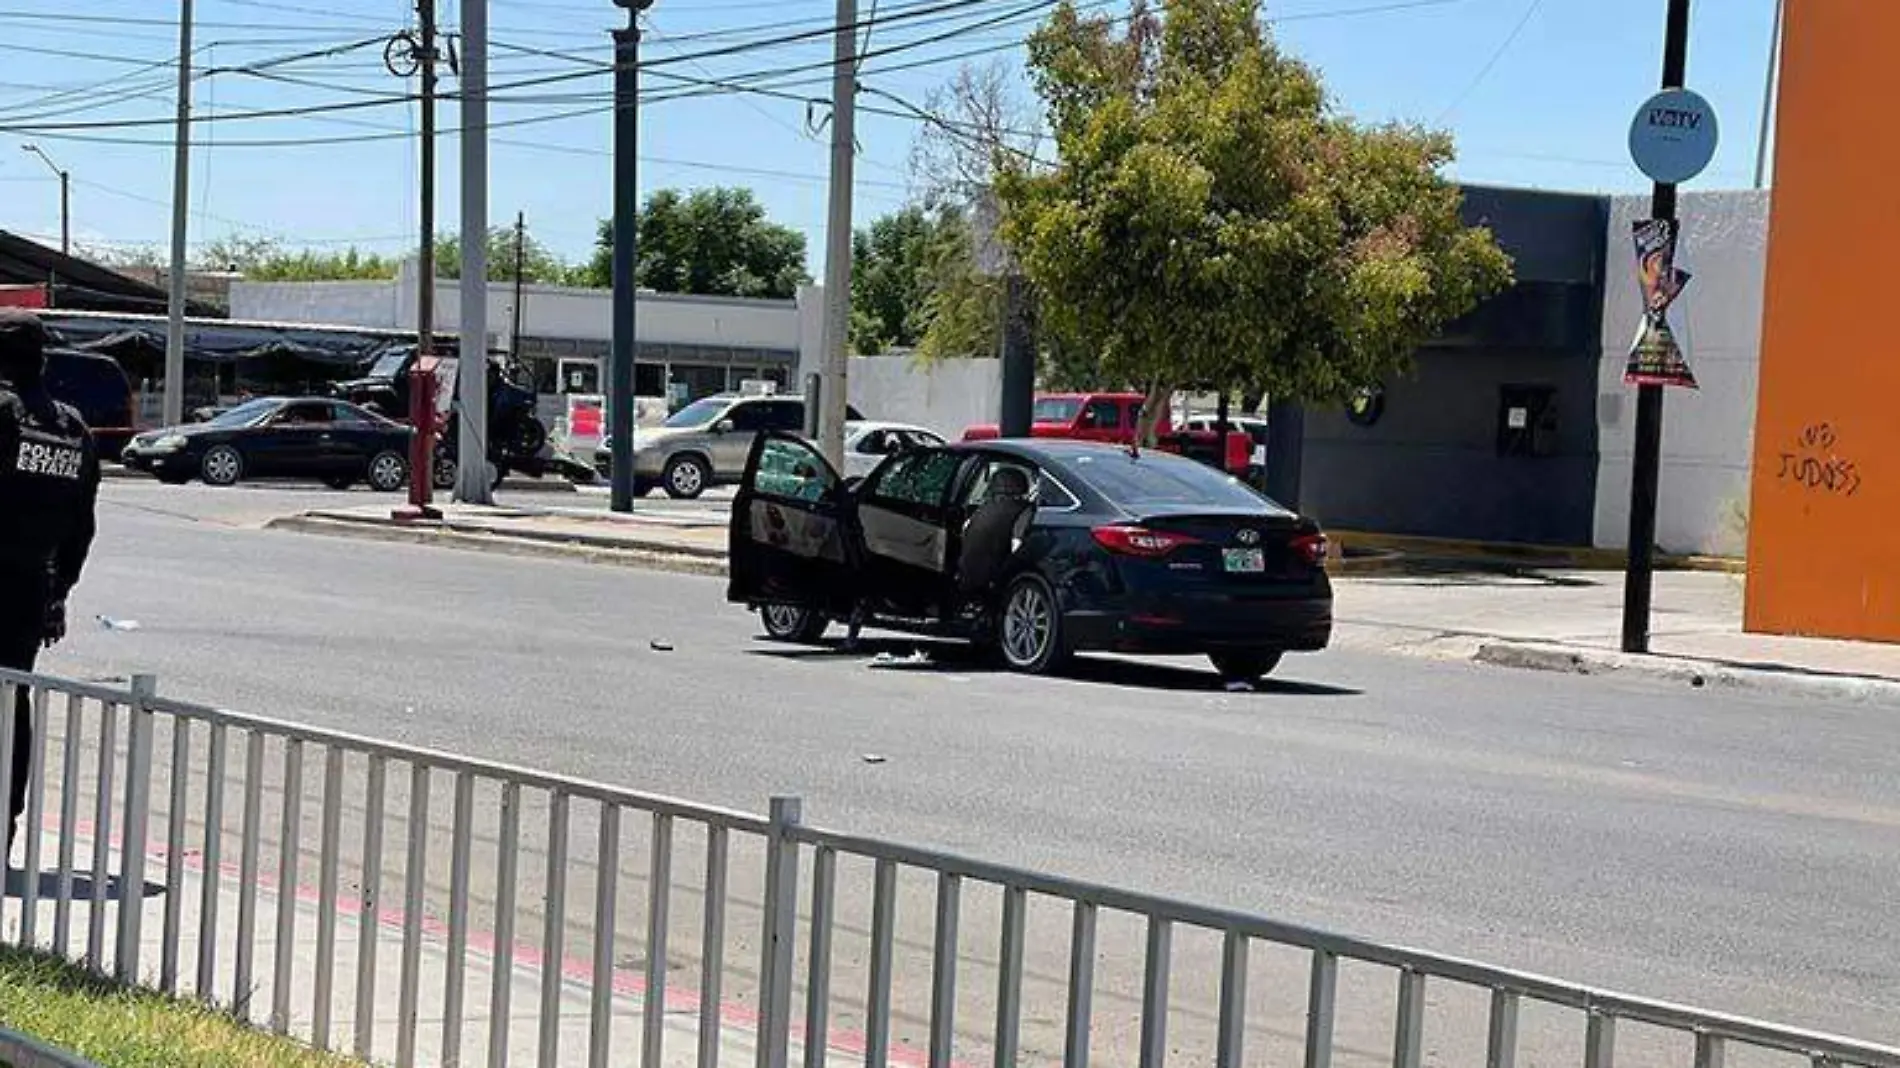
686	478
223	466
783	620
1028	625
387	472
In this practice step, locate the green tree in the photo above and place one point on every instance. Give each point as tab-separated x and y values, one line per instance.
710	241
1212	221
539	265
265	260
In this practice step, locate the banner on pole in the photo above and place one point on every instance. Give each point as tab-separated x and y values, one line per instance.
1656	357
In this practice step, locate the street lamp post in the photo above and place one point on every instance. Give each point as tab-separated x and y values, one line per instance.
65	198
626	209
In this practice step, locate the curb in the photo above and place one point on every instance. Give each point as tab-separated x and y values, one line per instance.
1442	551
652	556
1696	674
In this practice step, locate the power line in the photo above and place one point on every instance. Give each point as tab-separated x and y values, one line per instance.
1530	11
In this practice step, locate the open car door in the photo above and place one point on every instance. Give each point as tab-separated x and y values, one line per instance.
792	539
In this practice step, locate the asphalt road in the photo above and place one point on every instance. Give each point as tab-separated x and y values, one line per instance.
1725	850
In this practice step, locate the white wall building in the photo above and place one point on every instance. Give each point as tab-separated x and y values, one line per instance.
1708	434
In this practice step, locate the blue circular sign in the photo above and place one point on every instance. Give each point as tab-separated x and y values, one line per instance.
1674	136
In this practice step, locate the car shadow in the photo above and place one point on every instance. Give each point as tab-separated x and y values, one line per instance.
935	657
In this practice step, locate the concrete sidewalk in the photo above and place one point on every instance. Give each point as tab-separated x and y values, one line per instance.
1500	612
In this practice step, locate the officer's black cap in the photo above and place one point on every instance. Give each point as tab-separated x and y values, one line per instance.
22	336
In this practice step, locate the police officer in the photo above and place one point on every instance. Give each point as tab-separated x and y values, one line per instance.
49	484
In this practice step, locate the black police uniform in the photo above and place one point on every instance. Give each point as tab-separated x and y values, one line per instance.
49	483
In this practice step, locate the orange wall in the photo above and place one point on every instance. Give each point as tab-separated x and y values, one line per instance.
1824	528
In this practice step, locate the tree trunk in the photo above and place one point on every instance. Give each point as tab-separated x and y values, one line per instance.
1160	399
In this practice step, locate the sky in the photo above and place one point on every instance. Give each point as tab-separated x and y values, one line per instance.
1536	92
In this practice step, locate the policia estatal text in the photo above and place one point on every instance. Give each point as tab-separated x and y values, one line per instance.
49	485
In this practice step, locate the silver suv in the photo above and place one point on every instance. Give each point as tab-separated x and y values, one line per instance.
706	443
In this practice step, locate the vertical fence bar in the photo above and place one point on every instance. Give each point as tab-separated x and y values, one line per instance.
214	865
713	947
1009	976
1154	993
1322	998
68	826
367	907
135	835
606	916
1599	1041
824	884
1075	1048
253	820
776	942
877	1001
329	855
1501	1049
455	977
1408	1044
502	982
554	933
101	838
288	845
943	971
179	801
35	825
9	729
659	919
409	998
1231	1043
1710	1051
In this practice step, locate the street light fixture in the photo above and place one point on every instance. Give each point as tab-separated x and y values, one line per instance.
626	208
65	198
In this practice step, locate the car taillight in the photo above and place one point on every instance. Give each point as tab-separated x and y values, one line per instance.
1140	541
1311	548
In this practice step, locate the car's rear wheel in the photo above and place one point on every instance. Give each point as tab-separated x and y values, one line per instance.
222	465
1029	628
686	477
1246	665
388	471
790	623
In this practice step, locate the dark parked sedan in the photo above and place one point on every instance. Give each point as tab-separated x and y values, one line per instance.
335	442
1039	549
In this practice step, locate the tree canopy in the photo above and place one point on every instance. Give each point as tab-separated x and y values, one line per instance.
710	241
1212	221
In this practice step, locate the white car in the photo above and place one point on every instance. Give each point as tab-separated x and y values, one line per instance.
867	443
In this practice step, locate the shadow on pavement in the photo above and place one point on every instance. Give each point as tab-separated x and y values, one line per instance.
925	656
82	886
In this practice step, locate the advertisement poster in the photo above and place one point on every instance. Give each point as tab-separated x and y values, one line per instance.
1656	357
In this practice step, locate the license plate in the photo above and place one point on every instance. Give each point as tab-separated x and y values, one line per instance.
1244	561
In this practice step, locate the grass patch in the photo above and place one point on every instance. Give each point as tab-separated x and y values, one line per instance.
116	1026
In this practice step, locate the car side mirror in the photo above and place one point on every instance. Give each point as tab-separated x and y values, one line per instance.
723	426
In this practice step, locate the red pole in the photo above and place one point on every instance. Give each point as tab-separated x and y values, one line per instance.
421	444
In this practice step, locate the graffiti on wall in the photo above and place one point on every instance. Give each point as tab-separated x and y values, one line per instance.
1815	465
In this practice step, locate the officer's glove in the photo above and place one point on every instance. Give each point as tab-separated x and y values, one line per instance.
55	628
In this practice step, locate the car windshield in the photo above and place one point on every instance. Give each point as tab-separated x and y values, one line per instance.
244	415
389	365
698	414
1159	481
1057	409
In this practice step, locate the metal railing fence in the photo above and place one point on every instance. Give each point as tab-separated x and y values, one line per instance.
313	848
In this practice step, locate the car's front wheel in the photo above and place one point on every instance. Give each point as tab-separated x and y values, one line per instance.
790	623
686	477
388	471
1246	665
222	465
1029	628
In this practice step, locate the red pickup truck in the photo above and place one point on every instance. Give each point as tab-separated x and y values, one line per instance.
1116	418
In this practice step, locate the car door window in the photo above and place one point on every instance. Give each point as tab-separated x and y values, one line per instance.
790	471
917	483
305	415
749	418
1102	415
876	443
786	417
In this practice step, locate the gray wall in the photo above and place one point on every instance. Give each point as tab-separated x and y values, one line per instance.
1431	465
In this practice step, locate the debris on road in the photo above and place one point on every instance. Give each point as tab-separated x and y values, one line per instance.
1240	686
118	624
890	661
874	758
659	646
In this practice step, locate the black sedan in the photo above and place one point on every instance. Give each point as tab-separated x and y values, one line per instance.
332	441
1037	549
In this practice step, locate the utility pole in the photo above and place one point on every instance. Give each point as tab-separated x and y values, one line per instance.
65	198
835	396
1646	468
425	273
1768	95
473	484
410	53
174	410
625	259
521	266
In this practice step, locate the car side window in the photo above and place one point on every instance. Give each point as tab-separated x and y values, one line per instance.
785	416
748	418
1102	414
305	415
345	415
917	480
876	443
790	470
